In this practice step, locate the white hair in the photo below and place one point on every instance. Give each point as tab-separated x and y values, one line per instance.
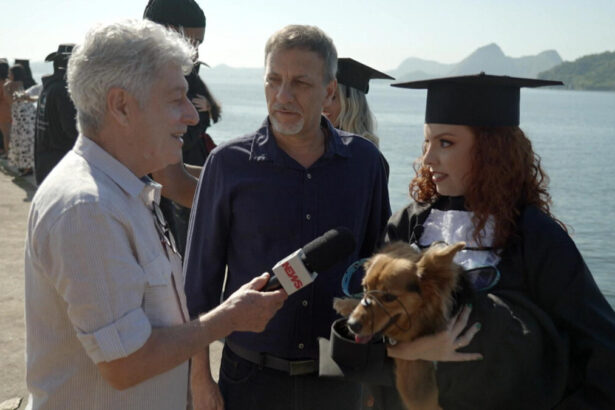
128	54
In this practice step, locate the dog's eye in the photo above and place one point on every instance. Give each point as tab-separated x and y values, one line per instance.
388	297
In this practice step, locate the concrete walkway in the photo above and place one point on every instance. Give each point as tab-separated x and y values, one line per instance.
15	196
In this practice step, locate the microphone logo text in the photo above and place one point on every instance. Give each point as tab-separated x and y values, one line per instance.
290	272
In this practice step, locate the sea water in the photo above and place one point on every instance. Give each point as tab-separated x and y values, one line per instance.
572	131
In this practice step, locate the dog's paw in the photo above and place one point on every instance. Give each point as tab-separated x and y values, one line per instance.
345	306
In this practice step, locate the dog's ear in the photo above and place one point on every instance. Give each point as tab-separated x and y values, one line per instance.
444	254
439	257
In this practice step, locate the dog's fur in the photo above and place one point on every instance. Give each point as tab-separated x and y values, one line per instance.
423	284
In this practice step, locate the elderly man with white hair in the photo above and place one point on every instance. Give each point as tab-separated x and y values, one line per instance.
106	317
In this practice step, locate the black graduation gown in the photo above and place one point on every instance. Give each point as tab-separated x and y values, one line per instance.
56	126
571	326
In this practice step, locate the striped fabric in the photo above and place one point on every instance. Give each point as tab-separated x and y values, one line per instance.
97	280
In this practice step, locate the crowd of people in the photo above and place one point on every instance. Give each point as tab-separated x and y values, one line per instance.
146	242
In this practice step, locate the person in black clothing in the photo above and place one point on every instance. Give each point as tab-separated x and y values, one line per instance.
197	145
548	333
5	108
56	127
187	17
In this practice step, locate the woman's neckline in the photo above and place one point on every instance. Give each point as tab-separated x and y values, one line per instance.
451	203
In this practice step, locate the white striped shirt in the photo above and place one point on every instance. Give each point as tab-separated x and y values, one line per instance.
97	280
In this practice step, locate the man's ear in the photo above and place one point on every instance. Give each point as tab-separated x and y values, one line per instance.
120	105
331	88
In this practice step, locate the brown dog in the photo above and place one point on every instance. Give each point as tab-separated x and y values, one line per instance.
408	294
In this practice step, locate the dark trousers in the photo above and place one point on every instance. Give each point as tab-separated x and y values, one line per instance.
245	386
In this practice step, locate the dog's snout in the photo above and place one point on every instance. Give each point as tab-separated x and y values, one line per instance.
354	325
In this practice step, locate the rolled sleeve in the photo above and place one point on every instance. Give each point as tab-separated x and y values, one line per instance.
119	339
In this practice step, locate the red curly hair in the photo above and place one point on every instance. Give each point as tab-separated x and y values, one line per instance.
505	176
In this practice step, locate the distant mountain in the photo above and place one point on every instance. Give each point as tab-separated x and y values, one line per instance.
533	65
417	69
490	59
591	72
413	76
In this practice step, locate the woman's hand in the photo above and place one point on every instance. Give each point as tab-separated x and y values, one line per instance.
442	346
21	95
201	103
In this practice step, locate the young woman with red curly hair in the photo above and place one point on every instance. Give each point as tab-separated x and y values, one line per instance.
548	334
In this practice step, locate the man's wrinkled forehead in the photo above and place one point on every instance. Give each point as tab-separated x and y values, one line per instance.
284	55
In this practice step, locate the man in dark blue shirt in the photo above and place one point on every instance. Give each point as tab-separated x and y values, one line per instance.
263	196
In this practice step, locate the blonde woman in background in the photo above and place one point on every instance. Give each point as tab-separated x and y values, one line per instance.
349	110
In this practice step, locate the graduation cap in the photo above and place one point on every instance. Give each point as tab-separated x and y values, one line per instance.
478	100
64	51
353	74
26	66
178	13
22	62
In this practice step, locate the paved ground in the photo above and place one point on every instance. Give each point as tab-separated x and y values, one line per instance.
15	196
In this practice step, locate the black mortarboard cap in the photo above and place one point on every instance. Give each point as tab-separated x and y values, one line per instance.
23	62
64	50
353	74
178	13
477	100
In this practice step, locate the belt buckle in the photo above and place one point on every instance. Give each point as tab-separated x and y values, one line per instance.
300	367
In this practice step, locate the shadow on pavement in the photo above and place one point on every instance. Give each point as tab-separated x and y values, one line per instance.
26	183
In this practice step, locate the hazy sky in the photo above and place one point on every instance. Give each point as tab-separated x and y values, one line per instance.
382	36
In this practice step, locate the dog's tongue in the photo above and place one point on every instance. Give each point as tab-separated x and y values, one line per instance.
362	339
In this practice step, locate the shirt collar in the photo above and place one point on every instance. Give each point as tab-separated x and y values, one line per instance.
145	188
265	148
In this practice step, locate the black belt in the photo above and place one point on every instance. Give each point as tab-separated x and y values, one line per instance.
292	367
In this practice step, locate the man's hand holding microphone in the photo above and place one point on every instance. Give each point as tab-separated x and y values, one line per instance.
252	306
249	309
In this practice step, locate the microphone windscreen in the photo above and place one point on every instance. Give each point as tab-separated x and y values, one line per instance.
328	249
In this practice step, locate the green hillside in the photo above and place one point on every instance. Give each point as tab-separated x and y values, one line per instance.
592	72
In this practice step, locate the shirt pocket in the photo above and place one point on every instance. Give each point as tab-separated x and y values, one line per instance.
160	301
158	271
